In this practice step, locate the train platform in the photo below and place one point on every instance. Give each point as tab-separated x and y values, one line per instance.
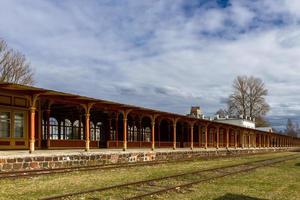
14	160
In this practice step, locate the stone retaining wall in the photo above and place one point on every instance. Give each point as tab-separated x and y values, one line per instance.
87	159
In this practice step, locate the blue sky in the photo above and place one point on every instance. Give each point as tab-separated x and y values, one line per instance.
167	54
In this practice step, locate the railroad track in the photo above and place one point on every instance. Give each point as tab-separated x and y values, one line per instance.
39	172
150	187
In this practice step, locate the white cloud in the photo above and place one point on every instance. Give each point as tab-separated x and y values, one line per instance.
157	55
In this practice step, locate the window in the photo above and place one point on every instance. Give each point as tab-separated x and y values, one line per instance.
112	133
78	130
44	129
19	125
147	134
98	131
67	129
53	128
130	133
92	131
135	132
4	124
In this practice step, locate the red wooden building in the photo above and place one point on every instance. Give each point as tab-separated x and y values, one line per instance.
35	118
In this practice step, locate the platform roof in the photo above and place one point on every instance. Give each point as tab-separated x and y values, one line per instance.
79	99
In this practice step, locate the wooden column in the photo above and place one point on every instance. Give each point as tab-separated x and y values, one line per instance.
87	107
47	113
117	129
192	135
227	138
87	131
174	133
32	109
200	135
249	140
109	129
242	138
124	132
158	133
32	130
235	139
206	136
140	132
218	137
153	132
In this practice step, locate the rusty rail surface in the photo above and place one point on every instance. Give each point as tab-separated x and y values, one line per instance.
199	175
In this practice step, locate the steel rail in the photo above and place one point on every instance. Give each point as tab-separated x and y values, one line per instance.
172	188
164	178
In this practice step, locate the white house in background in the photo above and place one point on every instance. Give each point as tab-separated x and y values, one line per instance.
267	129
247	123
196	112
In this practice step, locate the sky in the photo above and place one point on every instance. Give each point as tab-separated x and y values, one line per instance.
161	54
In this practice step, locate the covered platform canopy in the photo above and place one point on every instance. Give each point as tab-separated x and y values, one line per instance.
63	120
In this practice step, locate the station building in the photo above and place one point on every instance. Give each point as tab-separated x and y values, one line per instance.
35	118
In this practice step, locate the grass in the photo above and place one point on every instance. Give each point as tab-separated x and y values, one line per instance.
281	181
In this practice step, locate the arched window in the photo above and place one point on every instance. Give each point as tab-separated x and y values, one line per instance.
147	134
53	128
135	132
67	129
77	130
98	131
130	133
92	131
44	129
112	133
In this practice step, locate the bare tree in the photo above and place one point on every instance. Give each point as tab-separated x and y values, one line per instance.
14	67
248	98
222	113
291	128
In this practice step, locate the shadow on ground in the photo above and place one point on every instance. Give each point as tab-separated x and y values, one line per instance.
297	164
237	197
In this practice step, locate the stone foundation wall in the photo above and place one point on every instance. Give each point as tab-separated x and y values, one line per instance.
88	159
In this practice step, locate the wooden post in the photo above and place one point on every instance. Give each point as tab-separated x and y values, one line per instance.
153	132
235	139
124	132
249	140
32	109
158	133
47	112
206	135
243	138
192	135
200	135
87	131
117	129
87	107
218	137
227	138
174	133
32	129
